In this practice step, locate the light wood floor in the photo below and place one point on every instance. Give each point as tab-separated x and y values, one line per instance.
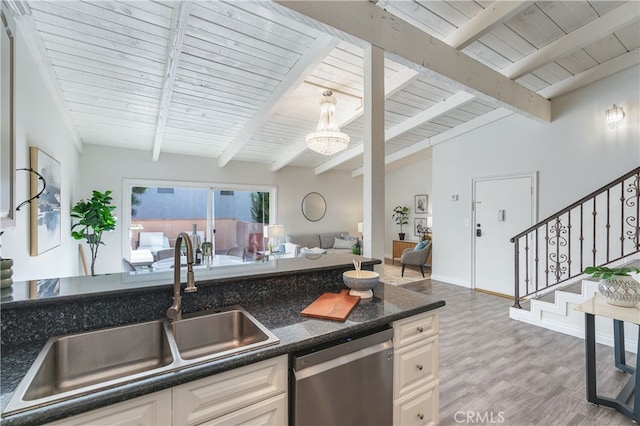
512	373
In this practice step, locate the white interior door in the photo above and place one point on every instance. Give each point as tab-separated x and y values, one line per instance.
503	207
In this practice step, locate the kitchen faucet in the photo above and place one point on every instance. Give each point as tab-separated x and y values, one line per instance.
175	311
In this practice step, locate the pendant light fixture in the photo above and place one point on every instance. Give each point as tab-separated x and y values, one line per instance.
327	139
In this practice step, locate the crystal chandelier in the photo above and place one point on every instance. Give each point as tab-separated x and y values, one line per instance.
327	139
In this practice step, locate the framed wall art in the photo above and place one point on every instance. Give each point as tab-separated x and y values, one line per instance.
7	139
45	209
420	226
421	204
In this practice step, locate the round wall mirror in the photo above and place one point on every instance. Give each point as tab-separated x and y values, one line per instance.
313	206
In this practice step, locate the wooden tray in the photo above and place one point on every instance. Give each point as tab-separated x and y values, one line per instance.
332	306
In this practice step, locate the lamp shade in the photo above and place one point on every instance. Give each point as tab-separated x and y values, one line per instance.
275	231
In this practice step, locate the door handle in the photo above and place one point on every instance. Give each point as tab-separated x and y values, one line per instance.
478	231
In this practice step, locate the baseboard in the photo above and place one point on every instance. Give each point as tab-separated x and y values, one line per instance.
450	280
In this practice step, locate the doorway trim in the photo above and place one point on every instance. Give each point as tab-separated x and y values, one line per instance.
534	209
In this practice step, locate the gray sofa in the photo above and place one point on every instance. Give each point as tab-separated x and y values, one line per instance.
295	243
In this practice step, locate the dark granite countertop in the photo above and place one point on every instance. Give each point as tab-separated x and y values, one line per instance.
54	290
281	315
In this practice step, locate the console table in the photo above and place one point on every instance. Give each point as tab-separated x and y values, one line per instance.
598	306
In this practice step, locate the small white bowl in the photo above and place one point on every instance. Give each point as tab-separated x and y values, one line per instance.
362	284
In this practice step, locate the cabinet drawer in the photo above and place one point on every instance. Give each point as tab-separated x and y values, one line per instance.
421	409
153	410
415	366
205	399
412	329
272	412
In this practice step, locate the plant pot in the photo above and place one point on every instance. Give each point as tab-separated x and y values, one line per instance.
401	236
6	273
620	290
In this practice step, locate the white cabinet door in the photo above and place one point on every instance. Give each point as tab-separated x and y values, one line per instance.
272	412
415	370
415	328
422	409
415	366
209	398
152	410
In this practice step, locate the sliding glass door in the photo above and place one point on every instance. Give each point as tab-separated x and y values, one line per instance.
232	218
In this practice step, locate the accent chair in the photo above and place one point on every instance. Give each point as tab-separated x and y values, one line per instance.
416	256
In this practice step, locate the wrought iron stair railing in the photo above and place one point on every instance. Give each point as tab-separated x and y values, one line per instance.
598	229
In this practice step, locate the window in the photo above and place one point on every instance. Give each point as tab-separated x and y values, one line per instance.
159	211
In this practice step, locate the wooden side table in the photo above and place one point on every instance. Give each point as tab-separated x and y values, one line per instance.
399	246
628	400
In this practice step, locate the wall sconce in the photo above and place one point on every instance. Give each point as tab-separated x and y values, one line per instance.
614	116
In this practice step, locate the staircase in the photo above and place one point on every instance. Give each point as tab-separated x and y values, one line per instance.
600	229
555	311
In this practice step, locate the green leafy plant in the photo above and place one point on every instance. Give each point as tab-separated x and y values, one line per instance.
94	218
136	191
260	207
401	216
606	273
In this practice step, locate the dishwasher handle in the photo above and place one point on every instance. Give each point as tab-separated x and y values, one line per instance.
315	369
339	348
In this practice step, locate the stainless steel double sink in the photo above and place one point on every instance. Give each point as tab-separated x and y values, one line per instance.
78	364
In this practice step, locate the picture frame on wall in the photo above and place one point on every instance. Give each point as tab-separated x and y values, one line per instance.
421	204
7	137
419	226
45	224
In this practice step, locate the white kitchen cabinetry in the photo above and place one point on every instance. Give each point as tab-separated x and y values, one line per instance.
152	409
415	370
224	394
272	412
255	394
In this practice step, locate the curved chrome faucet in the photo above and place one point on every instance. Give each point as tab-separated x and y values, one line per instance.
175	311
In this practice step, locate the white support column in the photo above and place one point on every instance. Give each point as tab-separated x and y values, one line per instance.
374	180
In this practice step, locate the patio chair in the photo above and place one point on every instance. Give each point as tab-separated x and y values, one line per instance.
237	252
165	254
127	266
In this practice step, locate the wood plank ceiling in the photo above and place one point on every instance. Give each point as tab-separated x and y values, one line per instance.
241	80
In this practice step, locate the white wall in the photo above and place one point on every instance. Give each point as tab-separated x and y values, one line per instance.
38	123
574	155
105	168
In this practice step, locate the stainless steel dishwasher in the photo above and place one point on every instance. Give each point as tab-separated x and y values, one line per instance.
347	383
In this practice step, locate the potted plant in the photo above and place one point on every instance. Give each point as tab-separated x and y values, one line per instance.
401	217
6	270
616	285
94	218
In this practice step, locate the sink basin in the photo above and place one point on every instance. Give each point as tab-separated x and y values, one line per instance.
220	334
82	363
72	365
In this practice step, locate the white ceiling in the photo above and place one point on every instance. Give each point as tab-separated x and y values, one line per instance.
241	80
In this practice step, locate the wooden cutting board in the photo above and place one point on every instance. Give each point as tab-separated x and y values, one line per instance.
332	306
